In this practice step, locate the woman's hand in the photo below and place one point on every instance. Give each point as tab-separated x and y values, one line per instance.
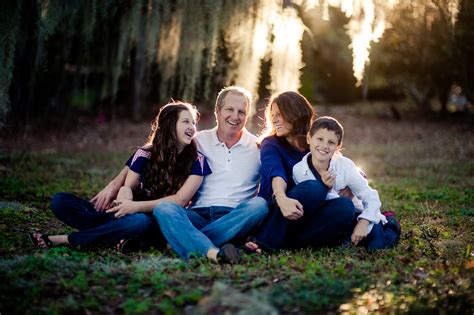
123	207
328	178
291	209
360	231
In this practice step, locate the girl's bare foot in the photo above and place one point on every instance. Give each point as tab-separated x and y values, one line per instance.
46	241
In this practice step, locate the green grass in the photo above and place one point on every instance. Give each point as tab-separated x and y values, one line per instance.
422	170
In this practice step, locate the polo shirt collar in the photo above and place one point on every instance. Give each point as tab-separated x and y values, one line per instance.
214	138
244	138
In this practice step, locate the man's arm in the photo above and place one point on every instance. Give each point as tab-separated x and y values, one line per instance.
104	198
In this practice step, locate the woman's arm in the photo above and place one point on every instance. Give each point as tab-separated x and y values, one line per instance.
181	197
274	178
291	209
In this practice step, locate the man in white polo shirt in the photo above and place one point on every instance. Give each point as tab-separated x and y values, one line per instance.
225	206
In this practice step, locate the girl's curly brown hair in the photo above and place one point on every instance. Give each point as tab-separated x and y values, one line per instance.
167	169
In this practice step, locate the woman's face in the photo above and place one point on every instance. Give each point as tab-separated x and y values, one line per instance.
185	128
281	126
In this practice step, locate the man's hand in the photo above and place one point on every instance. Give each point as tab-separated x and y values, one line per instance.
291	209
123	207
360	231
103	200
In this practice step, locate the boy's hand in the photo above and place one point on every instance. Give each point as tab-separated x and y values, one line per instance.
328	178
360	231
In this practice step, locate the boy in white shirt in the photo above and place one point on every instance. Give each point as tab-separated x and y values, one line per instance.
372	229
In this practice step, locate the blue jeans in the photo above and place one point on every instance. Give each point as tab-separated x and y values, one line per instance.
380	237
324	222
100	227
192	232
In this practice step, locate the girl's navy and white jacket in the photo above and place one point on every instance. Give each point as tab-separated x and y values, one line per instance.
347	175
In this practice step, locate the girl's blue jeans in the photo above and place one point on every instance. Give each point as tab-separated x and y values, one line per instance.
100	227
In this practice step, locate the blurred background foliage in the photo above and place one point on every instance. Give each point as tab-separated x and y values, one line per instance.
122	58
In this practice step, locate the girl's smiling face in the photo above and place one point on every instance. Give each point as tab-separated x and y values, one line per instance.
185	128
323	144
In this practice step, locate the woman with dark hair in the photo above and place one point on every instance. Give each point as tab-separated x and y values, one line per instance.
167	168
297	216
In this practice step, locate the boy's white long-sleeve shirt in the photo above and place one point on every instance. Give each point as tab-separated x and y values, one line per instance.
347	175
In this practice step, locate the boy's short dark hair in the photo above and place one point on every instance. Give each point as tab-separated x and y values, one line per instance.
329	123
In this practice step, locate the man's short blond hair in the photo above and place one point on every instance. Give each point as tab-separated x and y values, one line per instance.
234	90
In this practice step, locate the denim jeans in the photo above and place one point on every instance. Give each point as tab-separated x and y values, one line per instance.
192	232
324	222
380	237
100	227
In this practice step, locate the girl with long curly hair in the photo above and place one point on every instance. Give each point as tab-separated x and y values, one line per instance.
167	168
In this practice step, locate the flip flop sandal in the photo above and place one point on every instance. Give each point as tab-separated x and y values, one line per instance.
44	237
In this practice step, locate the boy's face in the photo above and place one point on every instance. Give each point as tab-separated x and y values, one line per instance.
323	144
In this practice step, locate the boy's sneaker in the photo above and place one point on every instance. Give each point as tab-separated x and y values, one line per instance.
228	254
392	223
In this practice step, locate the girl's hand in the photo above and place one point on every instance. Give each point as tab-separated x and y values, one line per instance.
123	207
291	209
103	200
328	178
360	231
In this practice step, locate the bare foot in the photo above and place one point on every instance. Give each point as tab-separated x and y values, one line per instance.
47	241
253	247
40	242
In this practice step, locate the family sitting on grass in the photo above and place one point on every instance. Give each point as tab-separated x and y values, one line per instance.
205	193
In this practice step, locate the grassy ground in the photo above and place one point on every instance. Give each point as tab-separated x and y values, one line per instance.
422	169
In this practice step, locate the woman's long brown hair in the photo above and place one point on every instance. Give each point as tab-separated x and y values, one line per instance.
167	170
296	110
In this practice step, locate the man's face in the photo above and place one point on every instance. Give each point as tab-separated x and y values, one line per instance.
232	117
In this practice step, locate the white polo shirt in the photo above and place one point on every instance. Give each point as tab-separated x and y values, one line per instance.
235	171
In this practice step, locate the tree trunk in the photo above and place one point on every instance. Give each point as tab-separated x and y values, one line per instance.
24	63
138	83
